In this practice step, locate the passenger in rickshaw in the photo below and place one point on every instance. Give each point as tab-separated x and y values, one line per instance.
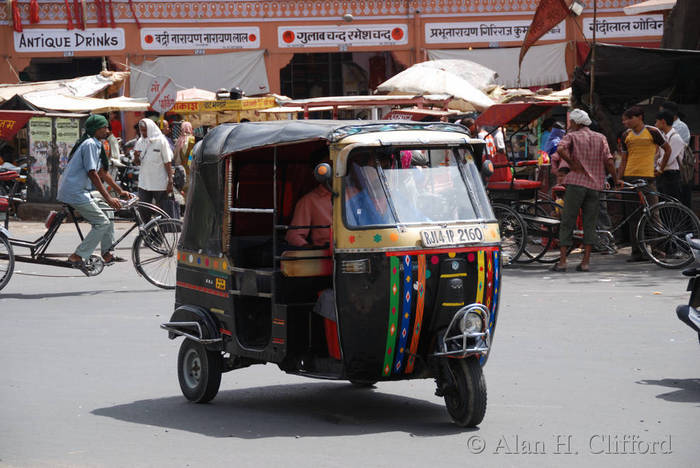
313	209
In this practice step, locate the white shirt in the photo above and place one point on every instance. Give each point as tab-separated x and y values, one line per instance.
677	147
154	154
683	130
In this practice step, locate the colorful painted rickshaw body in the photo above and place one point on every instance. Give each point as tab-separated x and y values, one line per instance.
390	298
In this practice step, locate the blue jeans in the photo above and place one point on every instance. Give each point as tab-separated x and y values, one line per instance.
102	231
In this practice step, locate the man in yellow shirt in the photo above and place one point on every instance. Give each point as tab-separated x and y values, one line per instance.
639	144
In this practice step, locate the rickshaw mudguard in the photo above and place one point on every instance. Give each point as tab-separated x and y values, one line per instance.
208	326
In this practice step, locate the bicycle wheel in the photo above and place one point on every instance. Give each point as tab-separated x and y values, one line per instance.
154	252
661	234
551	210
7	261
539	231
513	232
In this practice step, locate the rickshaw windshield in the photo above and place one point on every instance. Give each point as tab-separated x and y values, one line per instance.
412	187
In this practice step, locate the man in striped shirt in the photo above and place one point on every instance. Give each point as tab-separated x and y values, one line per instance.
588	156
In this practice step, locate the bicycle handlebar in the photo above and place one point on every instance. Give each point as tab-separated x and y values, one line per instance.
636	184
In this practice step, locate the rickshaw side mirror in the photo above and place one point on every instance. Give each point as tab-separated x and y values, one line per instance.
486	170
323	174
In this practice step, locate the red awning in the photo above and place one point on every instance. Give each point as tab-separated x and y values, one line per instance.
12	121
516	113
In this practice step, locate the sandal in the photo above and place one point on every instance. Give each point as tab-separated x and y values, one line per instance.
80	264
112	260
581	268
557	268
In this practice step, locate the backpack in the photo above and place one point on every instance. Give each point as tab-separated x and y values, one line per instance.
686	165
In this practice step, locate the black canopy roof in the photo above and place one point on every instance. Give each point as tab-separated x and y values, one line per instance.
232	138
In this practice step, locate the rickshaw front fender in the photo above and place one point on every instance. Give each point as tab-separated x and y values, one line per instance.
183	323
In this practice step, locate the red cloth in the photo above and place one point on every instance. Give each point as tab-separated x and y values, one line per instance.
33	11
116	127
313	209
591	150
69	25
549	13
16	17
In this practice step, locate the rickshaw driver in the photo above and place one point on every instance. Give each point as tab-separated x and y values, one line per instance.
74	190
363	208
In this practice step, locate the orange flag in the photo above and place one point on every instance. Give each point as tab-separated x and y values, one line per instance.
549	13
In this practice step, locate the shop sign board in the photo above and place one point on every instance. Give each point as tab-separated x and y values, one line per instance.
62	40
364	35
200	38
222	105
486	31
162	94
624	26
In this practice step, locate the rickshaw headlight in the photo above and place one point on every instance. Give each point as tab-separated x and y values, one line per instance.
471	323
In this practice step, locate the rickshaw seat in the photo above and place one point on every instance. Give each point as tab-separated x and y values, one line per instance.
307	268
4	204
502	178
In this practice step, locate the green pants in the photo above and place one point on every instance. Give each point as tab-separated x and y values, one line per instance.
102	231
576	198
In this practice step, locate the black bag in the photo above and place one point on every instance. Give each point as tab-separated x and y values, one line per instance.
686	165
171	206
179	177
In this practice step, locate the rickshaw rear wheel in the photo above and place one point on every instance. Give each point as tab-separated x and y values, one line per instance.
198	371
7	261
465	399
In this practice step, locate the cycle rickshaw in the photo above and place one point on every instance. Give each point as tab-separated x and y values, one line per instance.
152	252
512	191
410	293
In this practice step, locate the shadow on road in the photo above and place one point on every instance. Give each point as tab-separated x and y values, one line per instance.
688	390
603	268
301	410
91	292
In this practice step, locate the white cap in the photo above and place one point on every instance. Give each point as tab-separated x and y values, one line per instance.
580	117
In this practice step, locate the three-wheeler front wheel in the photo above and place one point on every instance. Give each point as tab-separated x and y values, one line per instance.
465	395
199	371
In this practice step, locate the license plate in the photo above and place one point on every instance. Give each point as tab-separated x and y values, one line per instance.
452	236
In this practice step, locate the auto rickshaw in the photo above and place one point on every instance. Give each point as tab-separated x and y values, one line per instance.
407	287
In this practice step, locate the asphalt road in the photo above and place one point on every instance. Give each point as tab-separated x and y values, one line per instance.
587	368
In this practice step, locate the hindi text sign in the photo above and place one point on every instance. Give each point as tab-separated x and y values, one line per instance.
162	94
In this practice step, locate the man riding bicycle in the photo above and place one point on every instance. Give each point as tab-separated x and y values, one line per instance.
85	170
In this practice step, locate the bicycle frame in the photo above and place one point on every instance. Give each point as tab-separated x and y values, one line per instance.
643	204
39	247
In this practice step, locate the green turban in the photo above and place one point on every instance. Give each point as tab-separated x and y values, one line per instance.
94	123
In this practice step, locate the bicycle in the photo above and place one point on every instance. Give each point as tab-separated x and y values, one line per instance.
661	229
153	252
